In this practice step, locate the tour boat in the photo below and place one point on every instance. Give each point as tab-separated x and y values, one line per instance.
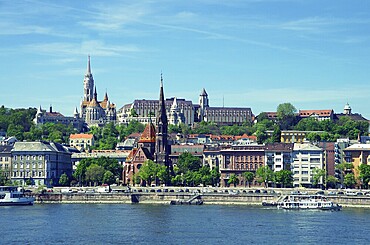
307	202
9	196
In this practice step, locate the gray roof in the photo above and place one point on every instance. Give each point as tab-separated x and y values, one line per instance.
39	146
5	148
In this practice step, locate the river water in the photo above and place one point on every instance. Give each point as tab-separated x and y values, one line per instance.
165	224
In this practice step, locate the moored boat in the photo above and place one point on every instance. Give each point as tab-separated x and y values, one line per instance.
10	196
318	202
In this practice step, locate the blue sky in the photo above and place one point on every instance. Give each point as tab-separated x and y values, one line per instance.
245	53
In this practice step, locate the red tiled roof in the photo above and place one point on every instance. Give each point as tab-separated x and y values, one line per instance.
148	136
323	113
81	136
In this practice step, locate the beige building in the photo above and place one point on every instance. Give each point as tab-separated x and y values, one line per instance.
81	141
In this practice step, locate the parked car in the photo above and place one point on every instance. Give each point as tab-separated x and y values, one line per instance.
320	193
351	193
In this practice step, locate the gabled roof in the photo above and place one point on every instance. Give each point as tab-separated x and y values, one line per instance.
148	135
135	155
131	155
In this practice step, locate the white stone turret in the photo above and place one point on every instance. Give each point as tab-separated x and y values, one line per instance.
347	109
75	113
88	83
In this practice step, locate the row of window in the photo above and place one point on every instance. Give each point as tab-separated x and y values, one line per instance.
28	157
21	165
80	141
28	174
248	166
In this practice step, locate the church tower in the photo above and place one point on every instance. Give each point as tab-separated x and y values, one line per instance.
161	155
88	83
203	103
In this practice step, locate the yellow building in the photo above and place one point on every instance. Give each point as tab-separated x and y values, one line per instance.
293	136
358	154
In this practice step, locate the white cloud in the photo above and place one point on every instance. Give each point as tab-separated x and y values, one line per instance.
93	47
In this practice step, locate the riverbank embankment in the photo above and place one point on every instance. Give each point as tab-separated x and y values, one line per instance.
166	198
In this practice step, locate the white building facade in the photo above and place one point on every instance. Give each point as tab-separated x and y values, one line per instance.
306	158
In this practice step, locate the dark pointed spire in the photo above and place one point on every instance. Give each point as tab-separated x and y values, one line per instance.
162	150
162	116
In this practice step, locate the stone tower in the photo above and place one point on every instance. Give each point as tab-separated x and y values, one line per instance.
161	155
88	83
203	103
347	109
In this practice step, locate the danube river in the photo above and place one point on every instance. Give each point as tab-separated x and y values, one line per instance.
165	224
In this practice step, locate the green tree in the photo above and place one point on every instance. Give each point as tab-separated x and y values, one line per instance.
264	174
174	129
364	175
276	134
2	177
148	172
344	168
133	113
108	177
206	128
163	174
284	177
111	165
95	173
349	180
331	182
318	176
249	177
188	162
313	137
205	175
80	173
64	180
215	175
233	180
286	114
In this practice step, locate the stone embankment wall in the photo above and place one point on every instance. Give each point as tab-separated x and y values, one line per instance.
166	198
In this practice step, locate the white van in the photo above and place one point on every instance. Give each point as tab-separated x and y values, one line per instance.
66	190
103	189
